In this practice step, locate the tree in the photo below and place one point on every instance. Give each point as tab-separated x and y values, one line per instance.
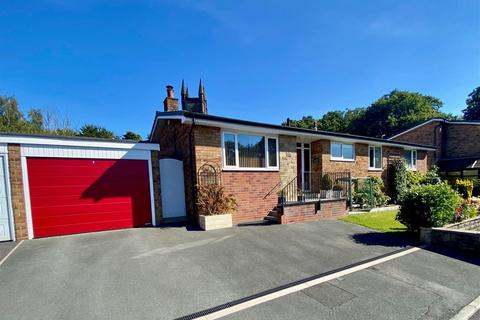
472	112
90	130
129	135
11	118
398	111
391	113
307	122
36	120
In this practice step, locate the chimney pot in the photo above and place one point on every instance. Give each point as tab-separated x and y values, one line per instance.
170	91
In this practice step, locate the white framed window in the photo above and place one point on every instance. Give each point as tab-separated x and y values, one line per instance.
411	159
249	151
375	157
342	151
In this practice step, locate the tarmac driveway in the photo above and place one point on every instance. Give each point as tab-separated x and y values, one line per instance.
165	273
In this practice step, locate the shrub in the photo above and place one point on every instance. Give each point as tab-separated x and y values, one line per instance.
465	211
416	178
464	187
212	199
371	193
428	206
432	176
397	180
337	187
326	182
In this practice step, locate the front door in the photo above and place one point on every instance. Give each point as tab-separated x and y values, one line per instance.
5	230
303	166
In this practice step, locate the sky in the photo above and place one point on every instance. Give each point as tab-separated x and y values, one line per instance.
108	62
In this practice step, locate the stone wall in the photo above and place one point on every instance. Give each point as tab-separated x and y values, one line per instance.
451	238
288	158
17	192
329	209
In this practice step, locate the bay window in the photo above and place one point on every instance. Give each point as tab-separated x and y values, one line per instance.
342	151
374	157
411	158
249	151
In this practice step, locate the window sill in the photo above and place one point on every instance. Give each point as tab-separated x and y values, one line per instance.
252	169
343	160
375	169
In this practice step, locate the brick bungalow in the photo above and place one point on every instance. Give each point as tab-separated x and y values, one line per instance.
457	145
256	160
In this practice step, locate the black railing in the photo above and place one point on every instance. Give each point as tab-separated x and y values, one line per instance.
314	186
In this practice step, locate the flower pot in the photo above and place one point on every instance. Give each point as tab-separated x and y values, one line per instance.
325	194
218	221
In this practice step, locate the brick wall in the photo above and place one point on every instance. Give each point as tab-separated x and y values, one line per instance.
157	195
453	140
16	187
422	135
251	189
330	209
288	158
462	141
359	167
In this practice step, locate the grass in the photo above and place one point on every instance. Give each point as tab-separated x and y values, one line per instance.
382	221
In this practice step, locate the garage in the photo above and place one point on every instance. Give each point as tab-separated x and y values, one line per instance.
68	185
83	195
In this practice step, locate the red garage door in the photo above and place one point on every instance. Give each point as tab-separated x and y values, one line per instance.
83	195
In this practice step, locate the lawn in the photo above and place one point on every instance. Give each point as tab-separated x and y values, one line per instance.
382	221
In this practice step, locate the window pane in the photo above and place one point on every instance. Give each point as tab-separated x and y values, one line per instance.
336	150
272	152
371	155
251	151
414	158
229	141
306	160
408	157
347	151
378	157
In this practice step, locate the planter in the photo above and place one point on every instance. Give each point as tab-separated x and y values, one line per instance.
218	221
326	194
337	194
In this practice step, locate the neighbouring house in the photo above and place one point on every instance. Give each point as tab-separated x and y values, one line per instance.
457	145
260	163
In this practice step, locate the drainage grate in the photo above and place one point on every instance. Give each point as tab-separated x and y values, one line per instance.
285	286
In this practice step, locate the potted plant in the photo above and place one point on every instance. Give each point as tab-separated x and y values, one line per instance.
215	207
337	190
325	187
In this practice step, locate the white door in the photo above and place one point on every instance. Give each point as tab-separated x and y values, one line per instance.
173	188
5	231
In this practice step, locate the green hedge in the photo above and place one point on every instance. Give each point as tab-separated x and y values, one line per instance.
428	206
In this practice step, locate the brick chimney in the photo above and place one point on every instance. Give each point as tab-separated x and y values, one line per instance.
170	103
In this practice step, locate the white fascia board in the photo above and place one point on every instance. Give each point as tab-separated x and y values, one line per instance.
165	117
59	141
257	129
